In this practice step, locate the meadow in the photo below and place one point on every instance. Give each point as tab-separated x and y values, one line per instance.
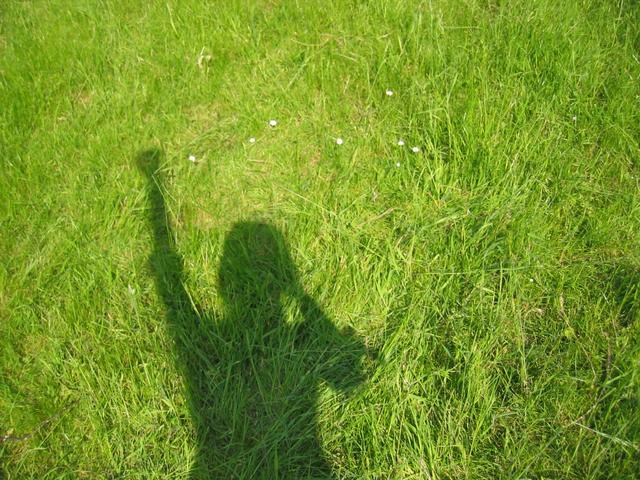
188	291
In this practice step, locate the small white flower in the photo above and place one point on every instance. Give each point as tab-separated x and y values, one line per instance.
339	141
415	149
389	93
273	123
531	280
401	143
192	158
574	118
252	140
398	164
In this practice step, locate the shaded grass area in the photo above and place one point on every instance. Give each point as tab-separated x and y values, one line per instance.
496	273
251	377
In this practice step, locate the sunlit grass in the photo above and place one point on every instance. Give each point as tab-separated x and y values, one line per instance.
495	271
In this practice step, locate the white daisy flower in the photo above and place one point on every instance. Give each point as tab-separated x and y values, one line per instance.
252	140
398	164
389	93
415	149
273	123
192	158
339	141
401	143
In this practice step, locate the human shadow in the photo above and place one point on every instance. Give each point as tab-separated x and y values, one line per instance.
252	374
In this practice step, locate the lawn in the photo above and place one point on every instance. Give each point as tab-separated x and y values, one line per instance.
188	291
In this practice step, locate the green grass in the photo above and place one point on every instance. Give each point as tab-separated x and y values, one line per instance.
294	308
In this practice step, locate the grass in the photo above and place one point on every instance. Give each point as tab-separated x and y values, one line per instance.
294	308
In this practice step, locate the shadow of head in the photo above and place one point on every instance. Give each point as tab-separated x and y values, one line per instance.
255	265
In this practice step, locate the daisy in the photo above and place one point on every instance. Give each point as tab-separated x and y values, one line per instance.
401	142
273	123
415	149
389	93
192	158
252	140
339	141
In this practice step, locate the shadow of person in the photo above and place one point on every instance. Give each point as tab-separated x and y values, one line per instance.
252	374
